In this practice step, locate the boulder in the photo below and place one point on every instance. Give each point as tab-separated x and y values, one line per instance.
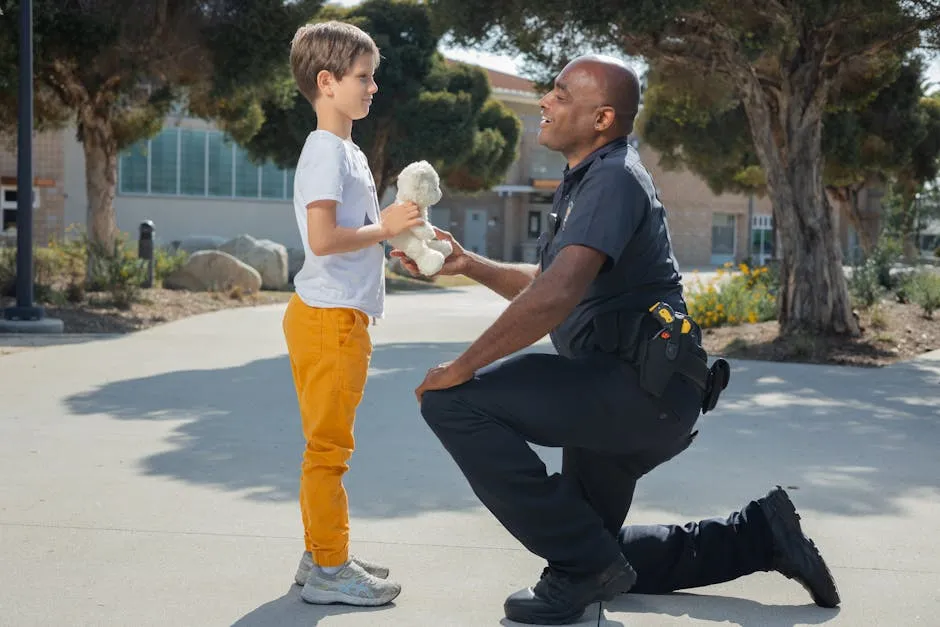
267	257
193	243
295	261
214	270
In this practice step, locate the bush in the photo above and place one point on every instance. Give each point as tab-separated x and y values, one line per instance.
923	288
749	295
60	272
166	263
865	284
118	271
883	257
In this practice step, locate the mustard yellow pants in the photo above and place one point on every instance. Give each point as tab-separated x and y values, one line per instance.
329	350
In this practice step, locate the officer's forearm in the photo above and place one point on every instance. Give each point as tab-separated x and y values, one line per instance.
506	279
537	310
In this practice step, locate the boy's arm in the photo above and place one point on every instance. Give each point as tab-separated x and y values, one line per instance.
326	238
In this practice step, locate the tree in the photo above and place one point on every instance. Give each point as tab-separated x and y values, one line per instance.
785	60
426	107
115	67
888	135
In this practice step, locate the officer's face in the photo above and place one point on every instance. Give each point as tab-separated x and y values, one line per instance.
569	110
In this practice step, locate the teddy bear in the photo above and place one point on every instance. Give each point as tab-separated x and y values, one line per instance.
420	184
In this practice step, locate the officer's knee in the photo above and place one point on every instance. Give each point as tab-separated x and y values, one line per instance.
437	406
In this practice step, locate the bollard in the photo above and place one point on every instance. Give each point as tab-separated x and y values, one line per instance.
145	250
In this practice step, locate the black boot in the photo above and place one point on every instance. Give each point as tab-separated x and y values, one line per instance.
796	556
560	599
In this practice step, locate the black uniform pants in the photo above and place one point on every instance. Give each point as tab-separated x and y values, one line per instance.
611	433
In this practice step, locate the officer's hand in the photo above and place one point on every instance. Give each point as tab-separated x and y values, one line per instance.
456	263
441	378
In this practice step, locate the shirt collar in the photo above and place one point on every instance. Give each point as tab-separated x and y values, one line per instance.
600	153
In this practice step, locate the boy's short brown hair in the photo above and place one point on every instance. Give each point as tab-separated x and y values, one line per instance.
332	46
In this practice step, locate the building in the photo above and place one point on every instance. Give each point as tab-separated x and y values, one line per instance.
190	179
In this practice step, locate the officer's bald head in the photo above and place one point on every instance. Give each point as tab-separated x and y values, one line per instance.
616	84
594	101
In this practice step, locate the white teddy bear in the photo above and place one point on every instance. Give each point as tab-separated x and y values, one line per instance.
420	184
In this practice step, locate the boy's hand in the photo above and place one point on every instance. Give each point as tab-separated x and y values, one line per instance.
456	263
399	217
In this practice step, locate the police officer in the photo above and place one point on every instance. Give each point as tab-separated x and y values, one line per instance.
605	261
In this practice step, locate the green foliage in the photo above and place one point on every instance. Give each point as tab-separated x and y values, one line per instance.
746	296
923	288
166	262
787	63
116	67
697	122
872	279
59	271
864	284
116	270
426	107
125	62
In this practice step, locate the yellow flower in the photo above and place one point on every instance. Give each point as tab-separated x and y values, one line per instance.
752	317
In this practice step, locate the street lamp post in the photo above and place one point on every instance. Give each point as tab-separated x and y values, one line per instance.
25	317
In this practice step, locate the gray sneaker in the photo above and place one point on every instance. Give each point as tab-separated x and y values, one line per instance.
352	586
306	563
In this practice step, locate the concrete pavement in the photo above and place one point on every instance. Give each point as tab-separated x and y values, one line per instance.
151	479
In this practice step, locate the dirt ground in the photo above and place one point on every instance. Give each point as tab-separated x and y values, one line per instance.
891	332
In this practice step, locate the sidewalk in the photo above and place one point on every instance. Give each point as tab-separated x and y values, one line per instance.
151	479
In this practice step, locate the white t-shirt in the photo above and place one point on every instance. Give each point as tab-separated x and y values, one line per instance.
332	168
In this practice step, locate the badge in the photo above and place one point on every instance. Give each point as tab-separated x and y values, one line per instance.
564	219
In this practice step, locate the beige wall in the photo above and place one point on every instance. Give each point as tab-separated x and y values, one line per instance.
48	164
690	205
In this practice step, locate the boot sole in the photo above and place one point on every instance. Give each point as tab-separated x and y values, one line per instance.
784	519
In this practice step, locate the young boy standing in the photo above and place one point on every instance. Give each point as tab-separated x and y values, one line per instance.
340	286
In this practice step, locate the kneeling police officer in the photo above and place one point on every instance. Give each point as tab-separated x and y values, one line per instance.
621	396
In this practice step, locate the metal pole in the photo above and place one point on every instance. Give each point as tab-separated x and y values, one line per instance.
25	310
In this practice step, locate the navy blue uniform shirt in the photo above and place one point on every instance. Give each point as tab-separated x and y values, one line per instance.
608	202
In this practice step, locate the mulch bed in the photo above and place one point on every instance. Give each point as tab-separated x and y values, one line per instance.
898	332
156	306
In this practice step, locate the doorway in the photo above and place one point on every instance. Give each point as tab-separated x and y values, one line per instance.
474	231
724	238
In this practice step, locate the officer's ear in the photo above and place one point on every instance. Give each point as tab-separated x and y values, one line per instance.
604	118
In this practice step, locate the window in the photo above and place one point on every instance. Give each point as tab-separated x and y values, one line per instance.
193	155
535	224
547	165
189	162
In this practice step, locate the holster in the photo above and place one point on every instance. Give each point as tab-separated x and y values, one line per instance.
661	344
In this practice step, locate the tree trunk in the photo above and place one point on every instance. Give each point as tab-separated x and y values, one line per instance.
378	160
907	221
787	129
846	201
97	138
100	179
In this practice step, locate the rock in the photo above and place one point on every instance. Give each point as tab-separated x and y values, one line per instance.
214	270
295	261
193	243
267	257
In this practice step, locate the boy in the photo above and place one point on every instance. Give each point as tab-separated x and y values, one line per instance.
340	286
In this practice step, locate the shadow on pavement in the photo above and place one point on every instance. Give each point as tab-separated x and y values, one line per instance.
241	431
717	609
292	611
851	441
